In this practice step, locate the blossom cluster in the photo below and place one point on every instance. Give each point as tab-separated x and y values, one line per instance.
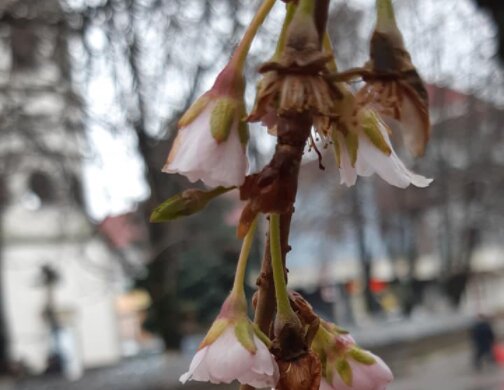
213	134
296	350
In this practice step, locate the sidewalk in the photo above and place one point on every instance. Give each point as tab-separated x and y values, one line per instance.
424	354
448	370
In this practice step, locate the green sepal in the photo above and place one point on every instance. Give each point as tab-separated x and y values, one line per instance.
352	143
261	335
344	371
245	334
223	116
361	356
243	128
193	112
329	370
340	330
370	125
332	327
215	331
184	204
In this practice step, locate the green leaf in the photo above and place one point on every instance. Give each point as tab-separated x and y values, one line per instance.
186	203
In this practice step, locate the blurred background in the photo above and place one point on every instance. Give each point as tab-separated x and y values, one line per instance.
94	297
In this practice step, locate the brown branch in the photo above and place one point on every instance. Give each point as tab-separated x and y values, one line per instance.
293	132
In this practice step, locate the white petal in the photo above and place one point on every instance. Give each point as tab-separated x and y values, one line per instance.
264	371
390	168
373	377
198	369
227	358
198	156
348	173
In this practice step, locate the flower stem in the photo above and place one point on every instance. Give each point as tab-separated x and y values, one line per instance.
291	9
241	268
385	15
284	308
307	6
241	52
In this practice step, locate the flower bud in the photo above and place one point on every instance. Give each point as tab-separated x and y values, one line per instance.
184	204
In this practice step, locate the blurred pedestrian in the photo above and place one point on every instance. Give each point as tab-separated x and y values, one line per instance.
483	339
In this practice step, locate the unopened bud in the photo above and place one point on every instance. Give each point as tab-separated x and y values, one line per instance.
184	204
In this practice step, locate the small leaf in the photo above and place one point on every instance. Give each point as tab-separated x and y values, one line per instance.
361	356
345	371
245	335
184	204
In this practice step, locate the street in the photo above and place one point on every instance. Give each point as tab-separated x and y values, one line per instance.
447	369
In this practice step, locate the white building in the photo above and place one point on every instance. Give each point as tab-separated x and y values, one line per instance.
43	222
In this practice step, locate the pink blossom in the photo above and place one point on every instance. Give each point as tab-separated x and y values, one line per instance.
365	377
346	366
226	360
198	156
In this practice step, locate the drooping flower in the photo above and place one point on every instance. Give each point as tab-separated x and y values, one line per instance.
393	86
234	348
345	365
211	143
233	351
362	146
